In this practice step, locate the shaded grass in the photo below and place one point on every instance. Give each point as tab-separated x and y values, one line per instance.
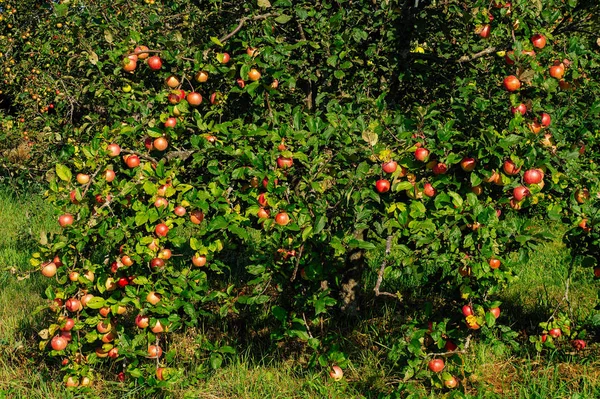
493	369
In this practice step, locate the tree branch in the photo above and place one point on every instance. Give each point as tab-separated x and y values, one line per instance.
243	21
388	247
468	58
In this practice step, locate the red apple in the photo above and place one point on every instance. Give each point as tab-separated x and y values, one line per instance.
153	297
199	260
160	143
538	41
451	383
440	168
520	192
494	263
48	269
389	167
467	310
154	351
495	312
512	83
284	163
468	164
533	176
428	190
154	62
555	332
140	51
142	321
202	76
59	343
157	263
132	161
73	305
510	168
382	185
109	175
171	122
436	365
557	71
262	213
179	211
282	218
521	108
194	99
254	75
172	82
65	220
196	216
336	373
578	344
421	154
161	229
225	58
485	31
546	120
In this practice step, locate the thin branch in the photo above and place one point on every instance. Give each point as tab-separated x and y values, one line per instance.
467	58
307	327
139	154
297	263
243	21
388	247
92	178
183	155
450	353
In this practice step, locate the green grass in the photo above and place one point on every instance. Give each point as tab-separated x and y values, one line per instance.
494	368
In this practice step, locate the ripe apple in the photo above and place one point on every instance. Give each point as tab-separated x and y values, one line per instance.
382	186
172	82
123	282
557	71
129	64
109	337
89	275
104	311
140	51
538	41
157	328
86	299
510	168
389	167
65	220
199	260
196	216
450	346
49	269
72	382
494	263
582	195
82	178
160	143
162	190
440	168
157	263
336	373
521	108
252	52
153	297
436	365
109	175
73	305
468	164
509	57
274	84
262	200
171	122
421	154
161	202
103	327
194	99
160	373
512	83
451	383
284	163
113	150
485	31
555	332
428	190
546	120
578	344
533	176
282	218
535	127
142	321
165	254
495	312
520	192
161	229
132	161
154	62
254	75
240	82
477	190
126	260
113	353
225	58
262	213
58	343
467	310
202	76
179	211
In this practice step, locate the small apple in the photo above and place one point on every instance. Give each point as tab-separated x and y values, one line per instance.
252	52
157	328
421	154
103	327
58	343
510	168
65	220
199	260
171	122
161	230
194	99
154	62
336	373
262	213
48	269
451	383
436	365
485	30
72	382
440	168
382	186
578	344
389	167
132	161
533	176
557	71
467	310
142	321
521	108
172	82
224	58
468	164
141	52
254	75
282	218
520	192
73	305
495	312
157	263
512	83
86	299
161	202
494	263
546	120
539	41
109	175
153	297
160	143
428	190
555	332
284	163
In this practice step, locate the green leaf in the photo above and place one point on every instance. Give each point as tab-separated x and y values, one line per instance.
63	172
282	19
141	218
216	41
216	360
96	302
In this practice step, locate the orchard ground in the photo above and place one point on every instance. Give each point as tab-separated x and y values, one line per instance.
507	368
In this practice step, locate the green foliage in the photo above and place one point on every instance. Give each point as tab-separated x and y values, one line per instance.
279	167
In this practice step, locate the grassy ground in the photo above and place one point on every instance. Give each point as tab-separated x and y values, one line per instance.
497	370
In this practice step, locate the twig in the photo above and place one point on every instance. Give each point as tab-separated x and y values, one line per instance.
243	21
297	263
87	186
139	154
450	353
183	155
467	58
388	247
307	327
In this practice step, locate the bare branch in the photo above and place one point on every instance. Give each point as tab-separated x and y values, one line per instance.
388	248
467	58
243	21
297	263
